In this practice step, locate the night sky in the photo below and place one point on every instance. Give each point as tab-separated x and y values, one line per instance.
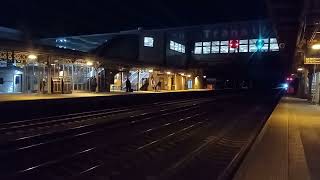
50	18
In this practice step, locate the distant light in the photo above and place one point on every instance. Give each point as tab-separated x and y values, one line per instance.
285	86
182	74
32	57
300	69
53	64
168	72
260	43
316	47
151	71
292	74
205	77
288	79
188	75
89	63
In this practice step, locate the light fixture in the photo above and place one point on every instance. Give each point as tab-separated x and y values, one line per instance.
32	57
316	47
205	77
300	69
168	72
151	71
188	75
182	74
89	63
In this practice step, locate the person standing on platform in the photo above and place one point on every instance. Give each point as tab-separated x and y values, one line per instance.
159	86
128	85
94	84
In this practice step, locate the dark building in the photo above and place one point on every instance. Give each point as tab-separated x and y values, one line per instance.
243	50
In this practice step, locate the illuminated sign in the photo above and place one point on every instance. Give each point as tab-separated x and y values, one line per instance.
312	60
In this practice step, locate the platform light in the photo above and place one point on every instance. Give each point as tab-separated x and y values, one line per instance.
32	57
285	86
300	69
89	63
316	47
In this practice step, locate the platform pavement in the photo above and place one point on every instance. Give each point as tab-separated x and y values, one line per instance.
288	147
25	97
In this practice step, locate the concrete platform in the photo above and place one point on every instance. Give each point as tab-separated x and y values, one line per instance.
288	147
26	97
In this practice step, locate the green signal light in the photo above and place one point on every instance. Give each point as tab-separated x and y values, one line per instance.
260	43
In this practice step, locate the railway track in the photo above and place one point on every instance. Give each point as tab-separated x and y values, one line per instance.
188	139
25	151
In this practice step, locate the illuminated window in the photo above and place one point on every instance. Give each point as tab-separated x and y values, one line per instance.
148	41
171	45
243	47
198	48
215	47
274	44
177	47
224	48
252	45
206	47
265	48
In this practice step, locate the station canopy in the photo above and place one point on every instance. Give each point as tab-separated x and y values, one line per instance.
84	43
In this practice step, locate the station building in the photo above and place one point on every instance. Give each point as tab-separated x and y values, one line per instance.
174	58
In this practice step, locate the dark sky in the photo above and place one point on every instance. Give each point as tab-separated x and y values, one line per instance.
48	18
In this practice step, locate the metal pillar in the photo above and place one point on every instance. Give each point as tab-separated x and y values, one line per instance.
121	79
138	84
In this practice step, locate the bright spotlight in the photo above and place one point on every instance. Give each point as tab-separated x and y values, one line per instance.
89	63
285	86
32	57
316	47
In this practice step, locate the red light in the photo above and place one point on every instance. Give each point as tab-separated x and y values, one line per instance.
234	44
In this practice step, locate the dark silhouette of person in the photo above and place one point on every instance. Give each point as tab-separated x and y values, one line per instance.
159	86
128	85
94	84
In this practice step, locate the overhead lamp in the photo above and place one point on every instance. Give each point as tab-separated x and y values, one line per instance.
188	75
32	57
89	63
168	72
151	71
205	77
182	74
300	69
316	46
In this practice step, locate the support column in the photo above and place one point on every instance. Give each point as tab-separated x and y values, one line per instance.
121	79
310	78
138	83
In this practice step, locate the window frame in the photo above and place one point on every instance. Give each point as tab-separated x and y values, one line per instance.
146	43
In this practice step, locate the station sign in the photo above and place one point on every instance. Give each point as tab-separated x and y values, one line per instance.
312	60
